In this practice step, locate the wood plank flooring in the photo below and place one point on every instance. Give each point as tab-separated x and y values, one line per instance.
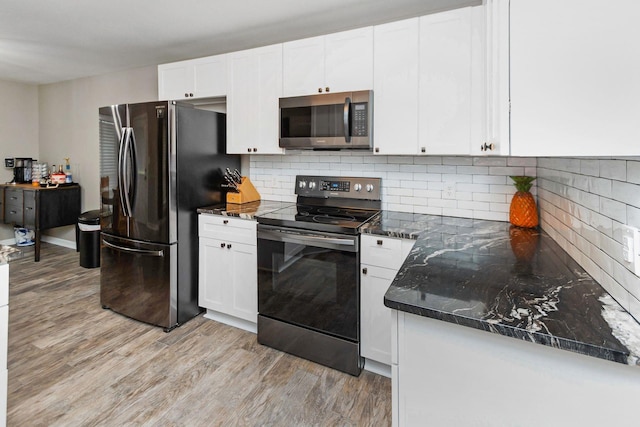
71	363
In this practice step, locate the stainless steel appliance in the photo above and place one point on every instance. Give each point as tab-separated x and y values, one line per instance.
308	270
331	121
159	162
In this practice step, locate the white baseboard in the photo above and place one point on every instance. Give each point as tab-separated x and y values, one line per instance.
231	321
53	240
377	368
71	244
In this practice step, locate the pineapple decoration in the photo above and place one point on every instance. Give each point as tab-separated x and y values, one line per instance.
523	211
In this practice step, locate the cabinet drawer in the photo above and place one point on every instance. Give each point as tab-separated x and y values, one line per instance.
13	196
227	229
13	215
385	252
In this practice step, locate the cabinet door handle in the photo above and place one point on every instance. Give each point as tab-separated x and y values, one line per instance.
229	246
225	221
487	147
379	242
29	208
364	270
249	149
423	149
377	150
319	90
255	149
222	245
186	95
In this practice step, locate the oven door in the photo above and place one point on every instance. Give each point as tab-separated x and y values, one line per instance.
310	279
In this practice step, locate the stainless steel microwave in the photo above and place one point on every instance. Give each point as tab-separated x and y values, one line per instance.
331	121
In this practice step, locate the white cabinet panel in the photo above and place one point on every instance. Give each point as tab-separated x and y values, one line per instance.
575	85
336	62
198	78
381	258
303	66
254	79
228	266
375	317
395	70
451	82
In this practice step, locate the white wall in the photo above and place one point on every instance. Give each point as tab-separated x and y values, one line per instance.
68	113
18	129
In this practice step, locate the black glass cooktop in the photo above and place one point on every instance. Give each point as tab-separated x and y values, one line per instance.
320	218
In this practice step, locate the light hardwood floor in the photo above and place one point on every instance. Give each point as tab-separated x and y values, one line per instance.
71	363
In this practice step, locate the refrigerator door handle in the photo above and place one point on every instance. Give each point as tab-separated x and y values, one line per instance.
121	172
133	250
126	159
133	181
117	121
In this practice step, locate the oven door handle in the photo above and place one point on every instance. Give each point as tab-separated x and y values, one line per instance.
306	239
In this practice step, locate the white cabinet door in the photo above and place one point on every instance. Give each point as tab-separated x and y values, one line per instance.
381	259
197	78
254	80
243	301
215	272
228	266
175	80
575	85
336	62
210	76
348	60
375	317
395	85
451	82
303	66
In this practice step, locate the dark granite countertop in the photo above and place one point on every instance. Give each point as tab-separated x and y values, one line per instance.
397	224
245	210
510	281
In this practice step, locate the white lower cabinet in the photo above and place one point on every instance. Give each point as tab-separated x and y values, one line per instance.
227	281
4	336
380	258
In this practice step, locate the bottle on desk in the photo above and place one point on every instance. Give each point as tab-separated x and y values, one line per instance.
67	171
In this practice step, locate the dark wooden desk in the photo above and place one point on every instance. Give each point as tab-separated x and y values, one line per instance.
40	208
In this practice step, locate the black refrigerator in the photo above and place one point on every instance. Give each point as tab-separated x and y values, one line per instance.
159	162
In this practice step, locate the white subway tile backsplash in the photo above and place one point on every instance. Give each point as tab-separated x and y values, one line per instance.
626	192
613	169
633	172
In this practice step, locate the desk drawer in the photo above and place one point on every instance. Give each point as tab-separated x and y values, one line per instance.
13	215
13	196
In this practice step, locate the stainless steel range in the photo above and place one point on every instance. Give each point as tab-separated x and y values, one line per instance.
308	270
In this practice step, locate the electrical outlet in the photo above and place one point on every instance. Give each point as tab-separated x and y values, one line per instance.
631	248
449	190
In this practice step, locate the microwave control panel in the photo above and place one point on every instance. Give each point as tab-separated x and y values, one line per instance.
360	116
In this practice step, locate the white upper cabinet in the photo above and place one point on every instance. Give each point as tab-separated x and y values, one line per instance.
197	78
333	63
575	78
429	84
395	87
451	83
254	89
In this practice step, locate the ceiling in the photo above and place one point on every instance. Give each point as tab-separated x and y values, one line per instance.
56	40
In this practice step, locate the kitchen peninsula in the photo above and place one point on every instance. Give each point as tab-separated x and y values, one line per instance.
466	290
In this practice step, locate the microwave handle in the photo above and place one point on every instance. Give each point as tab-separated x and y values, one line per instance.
347	110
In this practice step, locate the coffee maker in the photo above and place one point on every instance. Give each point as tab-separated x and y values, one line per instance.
21	169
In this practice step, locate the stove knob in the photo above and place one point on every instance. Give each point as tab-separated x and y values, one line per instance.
302	184
357	187
369	188
312	185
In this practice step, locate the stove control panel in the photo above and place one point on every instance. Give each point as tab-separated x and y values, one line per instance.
344	187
